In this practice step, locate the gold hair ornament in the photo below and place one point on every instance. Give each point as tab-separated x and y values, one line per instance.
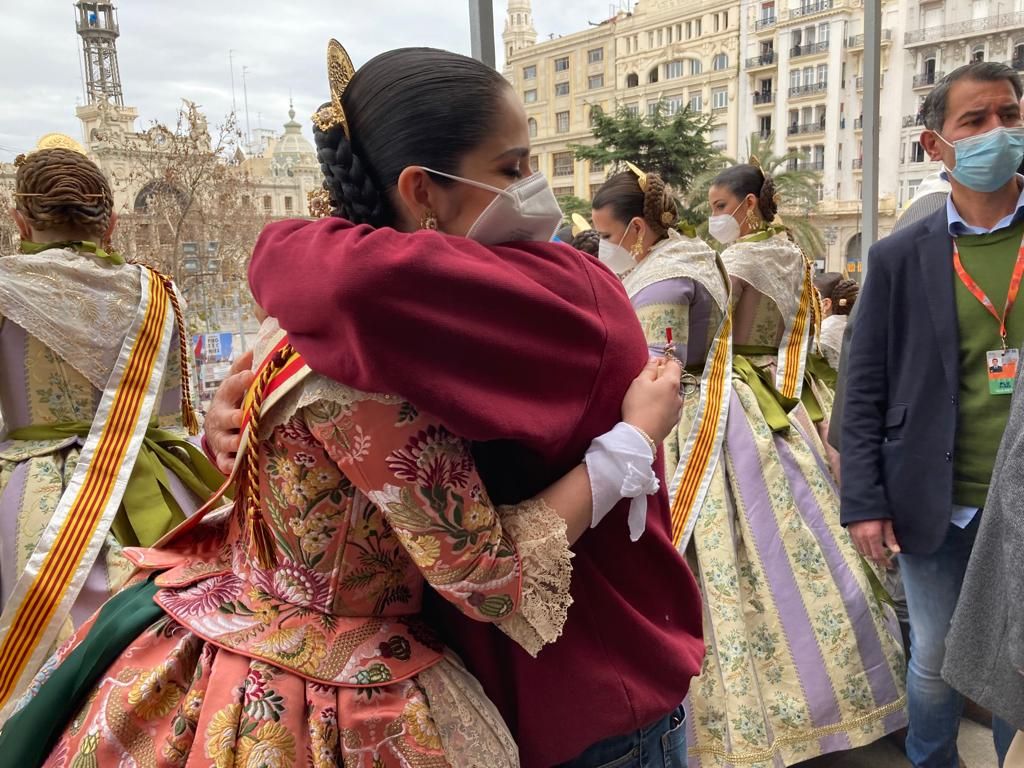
579	224
641	177
340	72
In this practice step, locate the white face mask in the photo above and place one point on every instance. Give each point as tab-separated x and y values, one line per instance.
723	227
614	256
525	211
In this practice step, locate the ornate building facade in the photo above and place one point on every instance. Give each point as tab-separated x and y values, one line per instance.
788	68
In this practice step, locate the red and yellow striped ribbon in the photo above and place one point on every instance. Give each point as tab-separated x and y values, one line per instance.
62	561
695	469
792	365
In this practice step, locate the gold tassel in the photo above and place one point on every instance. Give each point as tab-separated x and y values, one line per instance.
188	414
259	541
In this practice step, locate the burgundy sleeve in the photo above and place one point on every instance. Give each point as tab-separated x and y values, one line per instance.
498	342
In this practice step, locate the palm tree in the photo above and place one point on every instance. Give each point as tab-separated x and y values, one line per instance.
796	186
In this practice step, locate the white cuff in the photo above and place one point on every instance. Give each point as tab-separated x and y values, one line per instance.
619	464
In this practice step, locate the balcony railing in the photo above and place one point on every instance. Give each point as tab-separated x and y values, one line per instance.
858	163
807	90
812	165
857	41
761	97
806	50
808	9
858	124
764	60
926	79
765	22
910	121
859	82
1017	63
802	128
964	28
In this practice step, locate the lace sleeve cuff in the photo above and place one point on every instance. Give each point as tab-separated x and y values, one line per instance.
540	537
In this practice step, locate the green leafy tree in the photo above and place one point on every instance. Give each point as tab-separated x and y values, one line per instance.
571	204
795	184
676	147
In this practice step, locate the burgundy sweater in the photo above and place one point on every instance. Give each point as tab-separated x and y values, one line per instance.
527	350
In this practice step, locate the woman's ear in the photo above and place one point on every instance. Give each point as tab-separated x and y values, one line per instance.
416	195
24	230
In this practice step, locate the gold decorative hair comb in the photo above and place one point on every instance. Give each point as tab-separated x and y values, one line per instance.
339	74
641	177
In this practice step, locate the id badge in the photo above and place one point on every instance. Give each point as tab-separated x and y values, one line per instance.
1002	370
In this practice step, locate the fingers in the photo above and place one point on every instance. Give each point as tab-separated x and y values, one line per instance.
867	538
889	537
650	371
242	363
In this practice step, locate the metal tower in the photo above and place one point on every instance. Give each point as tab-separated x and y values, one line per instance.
97	26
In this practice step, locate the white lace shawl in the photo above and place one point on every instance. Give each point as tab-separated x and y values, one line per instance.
78	305
678	256
773	267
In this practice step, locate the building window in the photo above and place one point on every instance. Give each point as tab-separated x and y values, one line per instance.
978	53
725	19
561	89
719	98
695	67
696	102
561	122
633	109
697	27
673	104
689	30
917	153
721	61
820	189
650	39
679	32
592	117
822	73
534	163
594	189
717	23
562	64
532	124
652	107
288	205
652	76
530	72
563	163
562	191
668	35
596	166
530	96
632	80
268	204
661	37
765	126
595	55
795	78
595	81
674	69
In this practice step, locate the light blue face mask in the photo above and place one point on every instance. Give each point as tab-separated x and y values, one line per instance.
986	162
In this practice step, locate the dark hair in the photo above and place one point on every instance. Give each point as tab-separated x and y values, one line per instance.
587	241
844	296
826	282
656	206
933	111
63	189
410	106
748	179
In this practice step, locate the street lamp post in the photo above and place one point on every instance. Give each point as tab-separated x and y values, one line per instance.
872	86
481	31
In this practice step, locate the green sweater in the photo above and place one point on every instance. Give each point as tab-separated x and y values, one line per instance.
989	259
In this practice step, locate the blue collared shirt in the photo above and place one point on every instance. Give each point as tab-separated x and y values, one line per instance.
958	227
962	516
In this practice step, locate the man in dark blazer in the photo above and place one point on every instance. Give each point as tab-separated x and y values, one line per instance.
920	428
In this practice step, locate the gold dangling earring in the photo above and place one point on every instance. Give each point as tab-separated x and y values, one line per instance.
428	220
637	251
754	222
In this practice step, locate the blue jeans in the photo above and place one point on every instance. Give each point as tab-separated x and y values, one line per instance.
662	745
932	583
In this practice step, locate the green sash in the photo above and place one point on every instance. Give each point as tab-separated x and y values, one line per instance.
148	508
774	406
29	735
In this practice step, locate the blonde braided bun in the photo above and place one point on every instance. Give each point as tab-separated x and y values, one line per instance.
60	189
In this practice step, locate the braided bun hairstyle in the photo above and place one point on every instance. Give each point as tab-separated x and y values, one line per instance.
748	179
407	107
656	205
587	241
844	296
60	189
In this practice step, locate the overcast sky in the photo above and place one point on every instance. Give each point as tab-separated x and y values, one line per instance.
170	50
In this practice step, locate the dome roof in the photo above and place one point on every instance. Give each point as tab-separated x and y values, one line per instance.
292	145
